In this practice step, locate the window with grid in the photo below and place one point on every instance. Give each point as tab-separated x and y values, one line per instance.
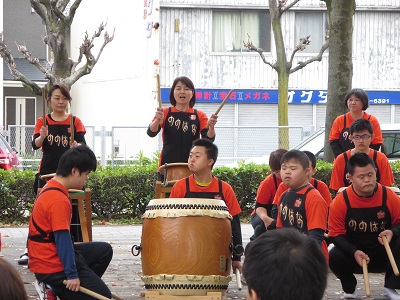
232	27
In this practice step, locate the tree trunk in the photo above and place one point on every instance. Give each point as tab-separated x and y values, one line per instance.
340	62
283	75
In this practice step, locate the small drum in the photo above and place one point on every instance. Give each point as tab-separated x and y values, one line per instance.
173	172
186	246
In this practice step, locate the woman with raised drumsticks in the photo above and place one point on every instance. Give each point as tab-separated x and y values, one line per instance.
181	124
53	135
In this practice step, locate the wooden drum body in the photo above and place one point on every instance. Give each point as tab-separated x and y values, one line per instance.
173	172
186	246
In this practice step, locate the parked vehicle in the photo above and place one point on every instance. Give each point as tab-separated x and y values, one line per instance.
315	144
8	155
390	135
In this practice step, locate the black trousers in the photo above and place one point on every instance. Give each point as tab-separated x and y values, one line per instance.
258	225
92	262
345	266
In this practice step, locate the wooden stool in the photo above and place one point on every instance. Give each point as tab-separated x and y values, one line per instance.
83	200
161	190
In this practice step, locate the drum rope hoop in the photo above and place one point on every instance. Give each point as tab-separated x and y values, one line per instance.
186	206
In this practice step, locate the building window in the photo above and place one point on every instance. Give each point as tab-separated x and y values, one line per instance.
230	29
314	24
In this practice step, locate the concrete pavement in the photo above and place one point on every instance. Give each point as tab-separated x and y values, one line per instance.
123	274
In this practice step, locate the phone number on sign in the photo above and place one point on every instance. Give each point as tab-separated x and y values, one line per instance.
379	101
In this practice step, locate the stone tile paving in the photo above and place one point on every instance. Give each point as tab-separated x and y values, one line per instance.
123	274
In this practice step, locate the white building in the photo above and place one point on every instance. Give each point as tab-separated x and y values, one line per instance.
203	39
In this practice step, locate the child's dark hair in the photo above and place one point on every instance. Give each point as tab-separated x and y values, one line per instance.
359	159
80	157
285	253
361	125
312	158
360	94
211	148
297	155
275	159
189	84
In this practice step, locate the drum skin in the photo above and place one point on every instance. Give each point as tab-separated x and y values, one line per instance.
186	246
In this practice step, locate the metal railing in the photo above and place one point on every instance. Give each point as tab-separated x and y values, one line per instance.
124	144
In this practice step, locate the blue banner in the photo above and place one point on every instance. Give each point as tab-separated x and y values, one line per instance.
271	96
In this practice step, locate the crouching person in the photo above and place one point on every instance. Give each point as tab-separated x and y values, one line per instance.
359	218
52	255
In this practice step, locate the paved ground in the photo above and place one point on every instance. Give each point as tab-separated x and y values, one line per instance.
123	274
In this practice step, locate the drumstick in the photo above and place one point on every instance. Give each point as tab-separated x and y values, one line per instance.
44	107
390	255
90	293
158	91
238	280
366	279
223	102
71	126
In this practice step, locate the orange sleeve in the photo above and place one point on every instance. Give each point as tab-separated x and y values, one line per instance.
338	173
337	127
266	190
377	130
203	119
385	170
393	204
281	189
316	211
324	191
79	127
230	199
337	216
38	125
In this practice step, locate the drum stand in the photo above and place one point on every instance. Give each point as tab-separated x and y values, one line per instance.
210	296
162	190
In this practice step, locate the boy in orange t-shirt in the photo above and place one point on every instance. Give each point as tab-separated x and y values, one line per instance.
265	194
301	206
52	255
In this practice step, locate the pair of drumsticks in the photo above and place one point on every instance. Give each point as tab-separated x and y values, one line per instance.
392	262
44	116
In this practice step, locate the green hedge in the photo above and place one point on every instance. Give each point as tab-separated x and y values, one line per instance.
124	192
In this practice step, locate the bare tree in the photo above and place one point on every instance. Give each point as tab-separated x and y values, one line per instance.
57	19
284	66
340	62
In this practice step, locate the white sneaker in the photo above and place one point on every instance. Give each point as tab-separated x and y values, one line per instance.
354	295
391	294
44	291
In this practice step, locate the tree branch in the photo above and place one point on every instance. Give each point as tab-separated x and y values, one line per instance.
107	39
59	14
249	45
86	50
72	11
282	4
312	59
18	76
35	61
303	42
38	7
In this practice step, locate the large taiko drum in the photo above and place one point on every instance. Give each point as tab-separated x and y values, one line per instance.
186	246
173	172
